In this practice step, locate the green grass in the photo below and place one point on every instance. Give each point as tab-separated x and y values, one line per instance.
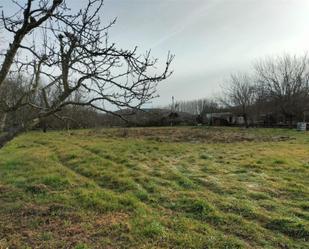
156	188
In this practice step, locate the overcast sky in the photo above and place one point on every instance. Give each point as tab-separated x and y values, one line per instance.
210	38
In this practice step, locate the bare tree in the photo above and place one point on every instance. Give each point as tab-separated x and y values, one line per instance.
22	23
64	54
284	82
240	95
13	88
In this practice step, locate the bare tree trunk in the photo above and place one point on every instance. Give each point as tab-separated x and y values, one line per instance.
3	121
68	125
43	124
246	120
290	121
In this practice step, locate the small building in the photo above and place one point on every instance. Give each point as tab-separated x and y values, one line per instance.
223	118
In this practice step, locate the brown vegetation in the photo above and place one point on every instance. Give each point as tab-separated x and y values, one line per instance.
189	134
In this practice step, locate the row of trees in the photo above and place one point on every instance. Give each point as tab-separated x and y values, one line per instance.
196	107
277	87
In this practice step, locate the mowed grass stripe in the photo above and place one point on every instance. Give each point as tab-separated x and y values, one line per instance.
175	194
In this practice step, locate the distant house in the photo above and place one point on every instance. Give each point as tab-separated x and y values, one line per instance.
222	118
269	119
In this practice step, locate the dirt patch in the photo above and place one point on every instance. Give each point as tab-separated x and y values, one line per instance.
4	189
49	226
110	219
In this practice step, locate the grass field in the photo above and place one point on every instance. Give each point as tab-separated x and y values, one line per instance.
156	188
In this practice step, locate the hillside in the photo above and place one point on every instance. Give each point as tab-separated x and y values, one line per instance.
155	188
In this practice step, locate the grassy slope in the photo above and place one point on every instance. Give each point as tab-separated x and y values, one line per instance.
88	190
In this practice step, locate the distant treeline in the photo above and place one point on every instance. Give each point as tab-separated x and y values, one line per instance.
275	93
